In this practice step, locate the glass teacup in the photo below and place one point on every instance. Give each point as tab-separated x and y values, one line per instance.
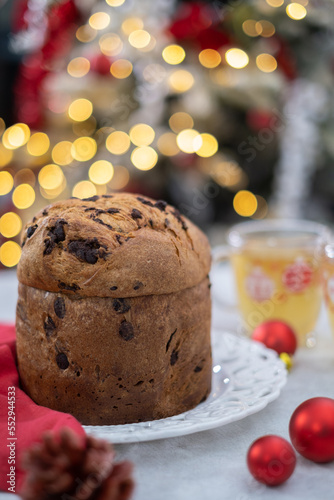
277	269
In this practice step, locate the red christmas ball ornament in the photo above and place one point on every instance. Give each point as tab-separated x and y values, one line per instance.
276	335
271	460
311	429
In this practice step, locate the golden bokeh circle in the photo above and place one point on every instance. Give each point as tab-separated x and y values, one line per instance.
181	80
245	203
236	58
118	142
23	196
80	110
10	253
209	58
10	225
38	144
144	157
78	67
84	189
51	176
101	172
142	134
173	54
83	148
61	153
120	69
6	182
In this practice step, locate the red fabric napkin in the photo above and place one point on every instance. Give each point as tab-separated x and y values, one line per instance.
31	420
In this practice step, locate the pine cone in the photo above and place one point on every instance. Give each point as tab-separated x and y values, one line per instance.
67	467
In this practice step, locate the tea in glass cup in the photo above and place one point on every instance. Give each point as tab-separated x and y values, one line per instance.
277	269
328	275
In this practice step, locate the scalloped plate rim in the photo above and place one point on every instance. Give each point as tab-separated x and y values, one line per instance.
154	430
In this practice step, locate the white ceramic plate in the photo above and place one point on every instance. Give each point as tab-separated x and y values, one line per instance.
246	377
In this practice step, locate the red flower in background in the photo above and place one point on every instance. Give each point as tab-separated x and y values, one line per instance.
196	22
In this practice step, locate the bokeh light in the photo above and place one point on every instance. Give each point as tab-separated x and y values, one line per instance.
132	24
209	58
296	11
110	44
118	142
245	203
122	68
208	145
275	3
50	194
16	136
84	189
144	158
173	54
62	153
142	134
150	46
38	144
84	148
25	176
101	172
262	208
10	253
99	20
265	28
78	67
6	155
167	144
51	176
266	63
229	175
139	39
181	80
80	110
120	178
115	3
180	121
236	58
186	141
10	225
23	196
251	28
6	183
85	33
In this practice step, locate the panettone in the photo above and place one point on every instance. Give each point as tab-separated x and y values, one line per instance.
113	315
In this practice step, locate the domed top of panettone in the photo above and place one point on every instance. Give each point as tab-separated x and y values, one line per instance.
119	245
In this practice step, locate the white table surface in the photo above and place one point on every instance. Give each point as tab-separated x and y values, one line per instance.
211	465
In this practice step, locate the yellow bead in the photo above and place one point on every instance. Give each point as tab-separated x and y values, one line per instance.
287	360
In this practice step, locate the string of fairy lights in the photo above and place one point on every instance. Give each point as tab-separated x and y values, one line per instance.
47	163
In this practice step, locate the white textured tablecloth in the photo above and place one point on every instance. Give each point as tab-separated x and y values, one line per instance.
211	465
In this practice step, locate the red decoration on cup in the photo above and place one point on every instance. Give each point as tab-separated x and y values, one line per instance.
312	429
297	276
271	460
276	335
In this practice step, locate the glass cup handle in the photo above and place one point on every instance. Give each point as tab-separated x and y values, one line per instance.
219	254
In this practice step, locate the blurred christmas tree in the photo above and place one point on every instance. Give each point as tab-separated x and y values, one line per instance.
194	102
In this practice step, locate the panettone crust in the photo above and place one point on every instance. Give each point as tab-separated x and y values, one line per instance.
120	245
